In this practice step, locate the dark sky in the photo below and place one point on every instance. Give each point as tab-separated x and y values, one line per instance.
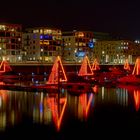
121	17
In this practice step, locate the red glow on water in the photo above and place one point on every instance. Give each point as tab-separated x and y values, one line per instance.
54	106
85	102
3	94
95	89
137	99
57	74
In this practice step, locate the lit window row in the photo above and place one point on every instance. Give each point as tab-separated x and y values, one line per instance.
137	41
47	31
124	43
124	47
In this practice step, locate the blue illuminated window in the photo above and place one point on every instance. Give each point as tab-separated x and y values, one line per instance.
34	36
48	37
91	44
41	36
80	54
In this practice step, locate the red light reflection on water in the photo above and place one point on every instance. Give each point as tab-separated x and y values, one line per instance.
137	99
55	106
95	89
3	94
85	103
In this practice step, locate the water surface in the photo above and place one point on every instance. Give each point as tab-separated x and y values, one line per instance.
105	112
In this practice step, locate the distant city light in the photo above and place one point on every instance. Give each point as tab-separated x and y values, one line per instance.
137	41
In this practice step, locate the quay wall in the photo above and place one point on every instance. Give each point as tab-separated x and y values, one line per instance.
41	68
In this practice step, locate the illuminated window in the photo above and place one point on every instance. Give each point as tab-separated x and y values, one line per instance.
34	36
2	27
47	31
36	31
48	37
41	36
19	39
81	34
80	44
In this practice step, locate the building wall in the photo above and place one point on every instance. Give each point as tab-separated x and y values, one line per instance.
69	48
76	45
31	43
10	42
115	52
43	44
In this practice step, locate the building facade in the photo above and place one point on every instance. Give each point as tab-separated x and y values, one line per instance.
116	52
41	44
76	45
10	42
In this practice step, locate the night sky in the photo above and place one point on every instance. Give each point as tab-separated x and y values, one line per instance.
121	17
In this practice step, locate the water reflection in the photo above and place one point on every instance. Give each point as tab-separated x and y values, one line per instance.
129	92
9	110
49	108
95	88
122	96
137	99
84	104
54	109
111	95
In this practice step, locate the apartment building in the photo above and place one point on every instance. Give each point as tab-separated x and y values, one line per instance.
10	42
41	44
77	44
116	51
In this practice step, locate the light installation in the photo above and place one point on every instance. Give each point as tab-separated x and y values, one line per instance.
57	74
126	65
132	78
95	65
136	70
85	68
4	66
57	108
